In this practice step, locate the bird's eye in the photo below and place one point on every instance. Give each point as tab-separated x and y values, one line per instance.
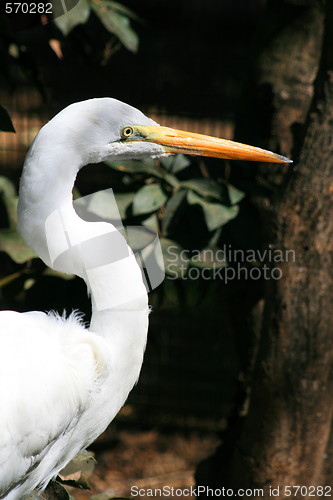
127	132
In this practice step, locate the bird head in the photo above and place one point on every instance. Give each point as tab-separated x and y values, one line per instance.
90	132
107	129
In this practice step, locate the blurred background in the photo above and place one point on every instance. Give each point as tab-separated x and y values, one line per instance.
188	64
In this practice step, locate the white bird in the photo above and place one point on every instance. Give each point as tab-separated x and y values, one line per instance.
61	383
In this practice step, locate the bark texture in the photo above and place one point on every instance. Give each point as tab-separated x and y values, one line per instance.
286	435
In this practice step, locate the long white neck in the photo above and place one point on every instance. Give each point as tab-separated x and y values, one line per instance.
95	251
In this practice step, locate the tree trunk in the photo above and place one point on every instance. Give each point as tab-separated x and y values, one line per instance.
286	435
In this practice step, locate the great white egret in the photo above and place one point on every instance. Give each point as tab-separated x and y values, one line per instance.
61	384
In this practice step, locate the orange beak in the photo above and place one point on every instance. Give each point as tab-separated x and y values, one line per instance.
179	141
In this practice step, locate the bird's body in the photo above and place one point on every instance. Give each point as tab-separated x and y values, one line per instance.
71	385
61	383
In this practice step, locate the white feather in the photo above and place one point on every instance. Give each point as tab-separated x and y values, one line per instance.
60	383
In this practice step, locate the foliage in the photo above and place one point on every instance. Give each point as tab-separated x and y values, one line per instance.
10	241
22	270
167	197
19	61
6	124
164	195
114	16
20	56
162	192
76	474
77	471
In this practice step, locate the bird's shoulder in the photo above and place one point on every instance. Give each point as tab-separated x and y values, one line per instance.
49	367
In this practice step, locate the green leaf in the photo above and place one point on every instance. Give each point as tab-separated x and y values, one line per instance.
213	242
147	166
216	214
12	243
148	199
124	10
117	23
101	204
207	188
235	195
6	124
14	51
171	209
9	198
104	205
77	471
152	222
139	237
84	461
210	257
57	274
176	260
124	200
79	14
175	163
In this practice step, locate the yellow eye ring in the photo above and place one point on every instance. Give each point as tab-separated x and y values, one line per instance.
127	132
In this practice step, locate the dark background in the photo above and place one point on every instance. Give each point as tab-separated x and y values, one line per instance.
192	65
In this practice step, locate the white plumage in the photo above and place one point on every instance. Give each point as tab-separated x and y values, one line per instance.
61	384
